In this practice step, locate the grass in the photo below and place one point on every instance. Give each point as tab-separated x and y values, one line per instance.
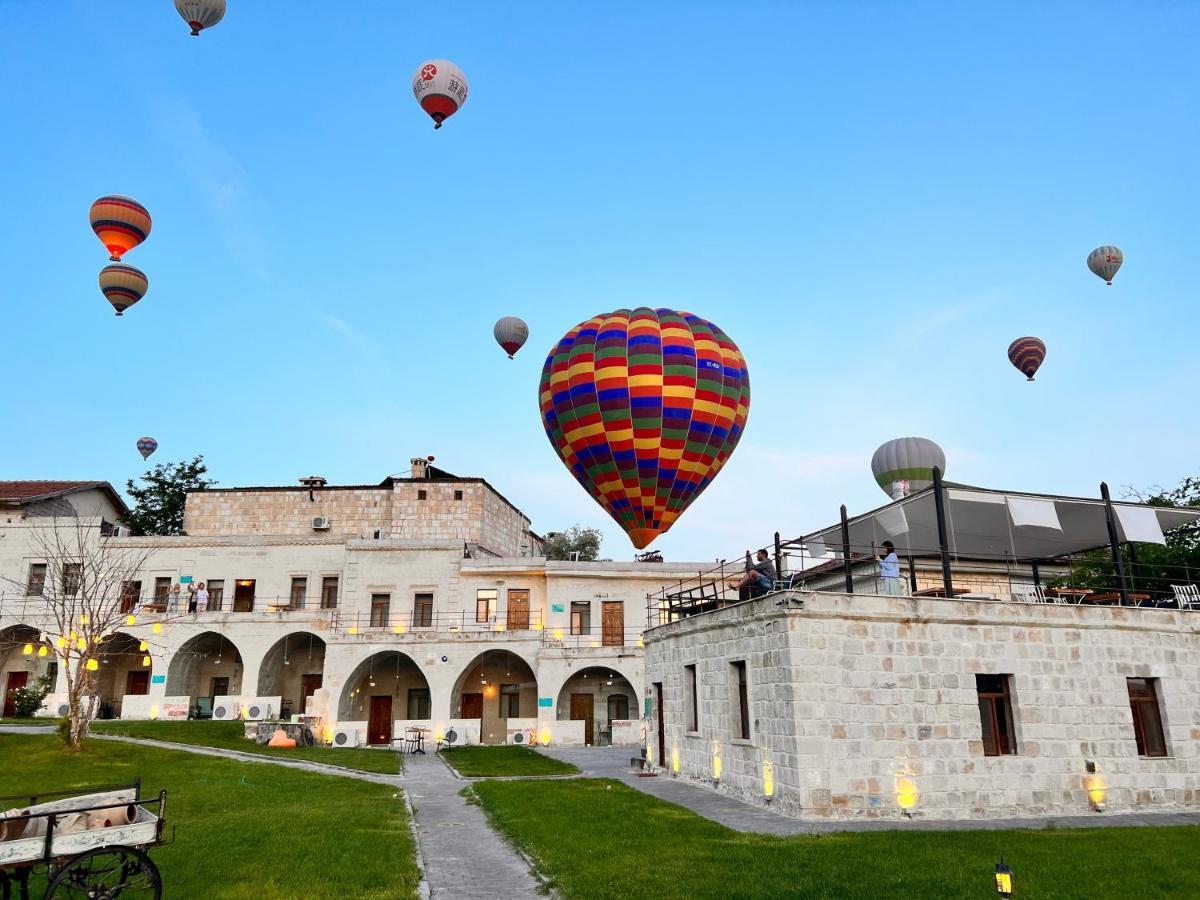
229	736
244	832
601	839
26	723
493	762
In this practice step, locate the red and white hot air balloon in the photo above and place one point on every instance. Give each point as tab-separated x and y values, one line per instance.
511	333
200	14
441	88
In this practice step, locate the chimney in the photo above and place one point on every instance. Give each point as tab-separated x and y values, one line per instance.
420	467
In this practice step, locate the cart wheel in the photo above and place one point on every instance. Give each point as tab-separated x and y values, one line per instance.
106	873
5	888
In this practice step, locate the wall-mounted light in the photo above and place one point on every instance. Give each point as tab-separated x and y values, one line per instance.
768	779
353	629
398	629
558	634
906	793
716	760
675	760
1097	791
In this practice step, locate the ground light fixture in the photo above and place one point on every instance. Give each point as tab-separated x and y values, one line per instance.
1003	879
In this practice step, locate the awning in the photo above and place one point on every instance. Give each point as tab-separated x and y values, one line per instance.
985	524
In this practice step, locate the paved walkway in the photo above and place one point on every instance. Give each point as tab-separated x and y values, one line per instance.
613	762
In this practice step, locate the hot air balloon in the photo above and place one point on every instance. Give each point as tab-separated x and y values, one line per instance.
511	334
441	88
121	224
201	14
905	465
146	446
1105	261
123	285
1027	354
644	407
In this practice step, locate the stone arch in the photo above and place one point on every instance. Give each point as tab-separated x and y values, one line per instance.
481	685
612	697
385	679
18	669
292	669
125	669
201	659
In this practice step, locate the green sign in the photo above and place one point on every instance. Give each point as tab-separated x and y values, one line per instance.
545	701
556	607
158	679
649	707
185	579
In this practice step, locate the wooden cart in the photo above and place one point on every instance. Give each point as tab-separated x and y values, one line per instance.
102	862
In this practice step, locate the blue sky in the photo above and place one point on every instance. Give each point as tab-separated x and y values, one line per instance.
873	200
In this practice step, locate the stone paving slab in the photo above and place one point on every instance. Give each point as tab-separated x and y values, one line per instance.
613	762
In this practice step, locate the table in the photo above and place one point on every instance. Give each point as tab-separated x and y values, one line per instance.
418	738
1111	597
1075	595
940	592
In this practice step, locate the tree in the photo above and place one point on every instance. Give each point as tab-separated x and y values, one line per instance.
159	503
575	540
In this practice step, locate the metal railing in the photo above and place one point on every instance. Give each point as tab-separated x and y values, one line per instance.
423	621
594	638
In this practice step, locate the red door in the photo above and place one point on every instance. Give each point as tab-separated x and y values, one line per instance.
15	680
137	682
472	706
379	726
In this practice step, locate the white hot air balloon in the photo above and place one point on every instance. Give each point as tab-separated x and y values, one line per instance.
200	14
441	88
511	333
905	465
1105	261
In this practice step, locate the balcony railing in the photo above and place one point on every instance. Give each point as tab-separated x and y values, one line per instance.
424	621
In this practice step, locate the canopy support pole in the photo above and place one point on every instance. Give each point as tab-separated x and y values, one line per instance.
912	573
778	557
939	503
1037	575
1110	521
1133	564
846	551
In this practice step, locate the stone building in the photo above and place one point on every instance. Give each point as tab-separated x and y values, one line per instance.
423	600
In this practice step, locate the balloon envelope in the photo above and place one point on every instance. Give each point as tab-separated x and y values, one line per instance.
123	285
644	407
121	223
1105	261
441	88
906	459
1027	354
511	333
146	446
200	14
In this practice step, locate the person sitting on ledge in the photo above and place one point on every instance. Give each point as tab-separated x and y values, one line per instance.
759	578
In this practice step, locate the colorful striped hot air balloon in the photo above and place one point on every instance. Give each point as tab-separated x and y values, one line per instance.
905	465
123	285
644	407
511	333
1105	261
200	14
1027	354
146	446
121	224
441	88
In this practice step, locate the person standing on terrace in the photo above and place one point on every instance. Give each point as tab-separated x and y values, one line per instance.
760	577
889	571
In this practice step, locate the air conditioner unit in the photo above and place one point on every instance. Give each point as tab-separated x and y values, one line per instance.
224	710
64	710
345	737
320	523
518	737
258	711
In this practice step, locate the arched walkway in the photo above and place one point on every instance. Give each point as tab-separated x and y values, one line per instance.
496	686
124	669
385	687
207	665
292	669
18	669
597	695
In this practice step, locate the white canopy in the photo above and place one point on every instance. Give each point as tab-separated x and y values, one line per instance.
982	523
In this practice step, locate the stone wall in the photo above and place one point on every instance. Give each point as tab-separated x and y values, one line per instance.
860	704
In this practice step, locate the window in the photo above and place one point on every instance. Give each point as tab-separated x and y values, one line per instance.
216	593
131	593
162	591
418	703
458	495
510	701
72	575
422	494
422	610
995	715
1147	718
581	616
485	602
299	591
329	588
381	604
36	586
618	707
518	610
741	700
689	688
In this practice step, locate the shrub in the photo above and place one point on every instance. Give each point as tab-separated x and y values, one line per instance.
28	700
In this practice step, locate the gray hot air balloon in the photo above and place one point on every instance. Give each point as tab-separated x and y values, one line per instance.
1104	262
511	334
905	465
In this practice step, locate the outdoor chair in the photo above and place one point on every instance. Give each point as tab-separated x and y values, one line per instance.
1187	595
1028	593
203	708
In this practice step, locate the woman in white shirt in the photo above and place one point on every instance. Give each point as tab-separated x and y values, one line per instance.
201	598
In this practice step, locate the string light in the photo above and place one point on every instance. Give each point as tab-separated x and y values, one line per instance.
28	650
131	619
143	646
92	665
145	660
43	650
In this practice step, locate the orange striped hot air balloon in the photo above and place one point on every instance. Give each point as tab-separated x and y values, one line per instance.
123	285
1027	354
644	407
121	223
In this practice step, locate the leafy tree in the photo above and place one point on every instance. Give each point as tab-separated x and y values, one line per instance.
158	504
576	539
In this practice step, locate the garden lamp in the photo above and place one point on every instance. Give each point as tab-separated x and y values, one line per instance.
1003	879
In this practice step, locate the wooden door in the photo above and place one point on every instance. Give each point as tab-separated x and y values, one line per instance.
472	706
518	610
309	685
379	725
219	687
243	596
581	708
662	729
15	680
137	682
613	619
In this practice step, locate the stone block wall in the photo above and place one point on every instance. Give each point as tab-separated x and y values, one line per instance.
862	703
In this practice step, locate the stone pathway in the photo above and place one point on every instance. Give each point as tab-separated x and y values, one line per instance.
613	762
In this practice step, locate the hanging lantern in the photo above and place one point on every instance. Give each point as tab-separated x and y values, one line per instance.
83	619
1003	879
74	635
143	646
158	627
398	629
145	660
43	650
131	619
28	650
60	642
92	665
81	644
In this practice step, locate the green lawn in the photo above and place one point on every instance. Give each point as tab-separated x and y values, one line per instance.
256	832
506	760
229	736
26	723
601	839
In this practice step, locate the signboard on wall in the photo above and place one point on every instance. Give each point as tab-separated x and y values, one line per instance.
185	579
556	607
649	707
175	711
545	702
158	679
